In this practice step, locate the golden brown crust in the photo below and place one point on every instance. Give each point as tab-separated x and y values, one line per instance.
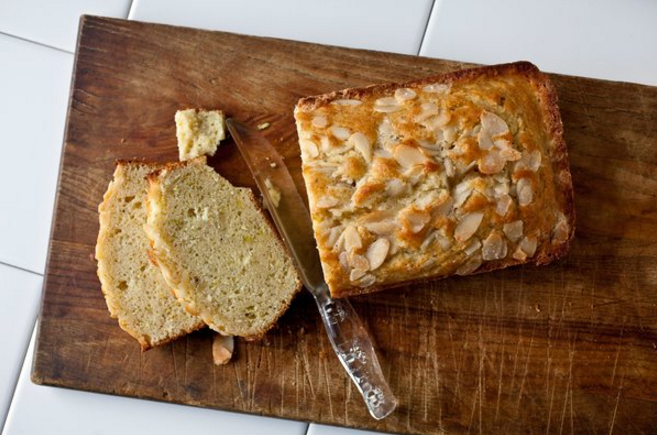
557	152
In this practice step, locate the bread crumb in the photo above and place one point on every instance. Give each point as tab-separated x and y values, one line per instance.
264	126
222	349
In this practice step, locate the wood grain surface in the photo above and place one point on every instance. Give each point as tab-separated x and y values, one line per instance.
567	348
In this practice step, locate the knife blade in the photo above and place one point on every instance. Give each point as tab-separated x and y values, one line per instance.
348	336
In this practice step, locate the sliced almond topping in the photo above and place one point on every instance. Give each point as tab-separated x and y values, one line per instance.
561	230
362	145
450	134
484	141
351	239
366	280
381	228
525	192
327	202
403	94
519	254
222	349
494	247
387	105
450	170
470	266
513	230
356	274
439	121
377	253
467	226
308	148
472	246
340	133
347	102
395	187
461	192
344	260
493	124
427	110
509	154
491	163
445	207
333	235
528	245
408	156
437	88
413	219
324	144
319	122
503	204
359	262
534	161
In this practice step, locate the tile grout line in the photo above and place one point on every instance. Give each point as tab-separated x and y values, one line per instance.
426	26
132	3
18	378
20	38
21	269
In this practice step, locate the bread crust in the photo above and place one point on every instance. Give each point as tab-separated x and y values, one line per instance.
547	95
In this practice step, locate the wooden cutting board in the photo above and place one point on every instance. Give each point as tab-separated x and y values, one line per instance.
567	348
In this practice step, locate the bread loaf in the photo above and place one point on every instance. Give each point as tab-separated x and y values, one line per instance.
135	292
217	250
454	174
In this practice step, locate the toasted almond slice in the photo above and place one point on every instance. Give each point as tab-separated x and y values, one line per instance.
222	349
491	163
308	148
327	202
408	156
470	266
351	239
436	88
467	226
404	94
503	204
340	133
377	253
493	124
347	102
525	192
513	230
494	247
319	122
529	245
362	145
414	219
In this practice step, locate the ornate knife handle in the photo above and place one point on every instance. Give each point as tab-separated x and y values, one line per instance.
354	349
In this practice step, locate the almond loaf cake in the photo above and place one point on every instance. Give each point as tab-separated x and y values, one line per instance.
135	292
217	250
454	174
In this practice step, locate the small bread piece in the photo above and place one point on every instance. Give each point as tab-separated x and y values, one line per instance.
135	292
217	250
454	174
199	132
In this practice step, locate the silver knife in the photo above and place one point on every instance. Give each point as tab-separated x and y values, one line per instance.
347	334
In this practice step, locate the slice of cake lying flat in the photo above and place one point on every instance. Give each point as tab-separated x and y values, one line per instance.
455	174
217	250
199	132
135	292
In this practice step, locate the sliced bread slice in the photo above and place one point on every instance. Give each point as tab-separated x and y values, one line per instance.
135	292
199	132
217	250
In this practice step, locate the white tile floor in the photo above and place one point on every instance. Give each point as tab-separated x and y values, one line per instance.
395	27
20	293
604	39
35	83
